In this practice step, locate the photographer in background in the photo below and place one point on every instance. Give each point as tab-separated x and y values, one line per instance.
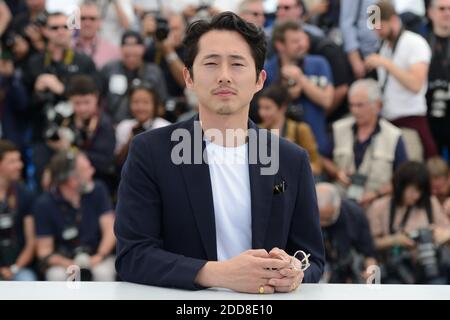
310	74
89	41
144	104
273	103
31	23
366	149
348	241
74	222
46	78
410	230
117	77
166	51
83	126
17	237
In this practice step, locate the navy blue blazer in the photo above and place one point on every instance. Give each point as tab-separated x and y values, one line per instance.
165	225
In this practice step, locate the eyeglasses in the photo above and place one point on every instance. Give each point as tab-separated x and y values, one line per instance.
54	28
285	8
443	8
255	13
85	18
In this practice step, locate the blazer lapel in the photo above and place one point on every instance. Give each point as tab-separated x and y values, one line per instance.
198	186
261	188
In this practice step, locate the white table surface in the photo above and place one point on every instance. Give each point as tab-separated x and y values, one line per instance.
129	291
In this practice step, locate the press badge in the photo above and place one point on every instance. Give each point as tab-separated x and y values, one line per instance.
70	233
6	221
356	189
118	84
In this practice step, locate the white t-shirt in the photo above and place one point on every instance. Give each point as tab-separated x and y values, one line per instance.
111	28
230	181
399	102
414	6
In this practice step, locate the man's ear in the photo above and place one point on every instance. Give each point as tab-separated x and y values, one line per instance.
187	78
261	79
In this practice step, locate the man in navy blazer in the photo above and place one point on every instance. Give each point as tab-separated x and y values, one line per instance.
197	224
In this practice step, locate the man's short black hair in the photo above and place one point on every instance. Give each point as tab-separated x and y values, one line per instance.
81	85
228	21
278	94
5	147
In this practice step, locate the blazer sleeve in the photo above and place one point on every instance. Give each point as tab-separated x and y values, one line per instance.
305	233
141	257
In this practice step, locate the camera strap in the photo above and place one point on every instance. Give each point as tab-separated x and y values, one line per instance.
394	48
405	218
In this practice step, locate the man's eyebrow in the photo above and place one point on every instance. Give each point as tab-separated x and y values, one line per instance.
232	56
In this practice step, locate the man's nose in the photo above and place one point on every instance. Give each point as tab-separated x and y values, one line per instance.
224	76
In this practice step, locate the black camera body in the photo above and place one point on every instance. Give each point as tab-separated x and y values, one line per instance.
162	28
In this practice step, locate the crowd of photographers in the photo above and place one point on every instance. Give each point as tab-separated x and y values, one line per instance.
365	91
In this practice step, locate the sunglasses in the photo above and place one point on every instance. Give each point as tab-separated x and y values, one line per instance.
85	18
54	28
255	13
285	8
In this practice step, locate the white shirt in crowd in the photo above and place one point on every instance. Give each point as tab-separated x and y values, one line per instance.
125	127
230	181
414	6
399	102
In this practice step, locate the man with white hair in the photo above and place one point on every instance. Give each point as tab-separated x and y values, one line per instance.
348	242
366	149
252	11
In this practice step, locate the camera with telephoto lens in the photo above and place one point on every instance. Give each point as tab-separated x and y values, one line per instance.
427	256
58	121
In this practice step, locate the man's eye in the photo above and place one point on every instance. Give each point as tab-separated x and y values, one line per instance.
210	64
238	65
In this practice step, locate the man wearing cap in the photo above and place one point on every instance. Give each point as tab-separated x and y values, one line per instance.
118	75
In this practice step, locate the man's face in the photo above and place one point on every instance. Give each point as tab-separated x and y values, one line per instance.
269	112
295	45
90	21
385	30
84	106
361	108
177	29
11	166
440	187
254	13
327	215
224	76
142	105
439	14
132	54
57	32
84	170
288	10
